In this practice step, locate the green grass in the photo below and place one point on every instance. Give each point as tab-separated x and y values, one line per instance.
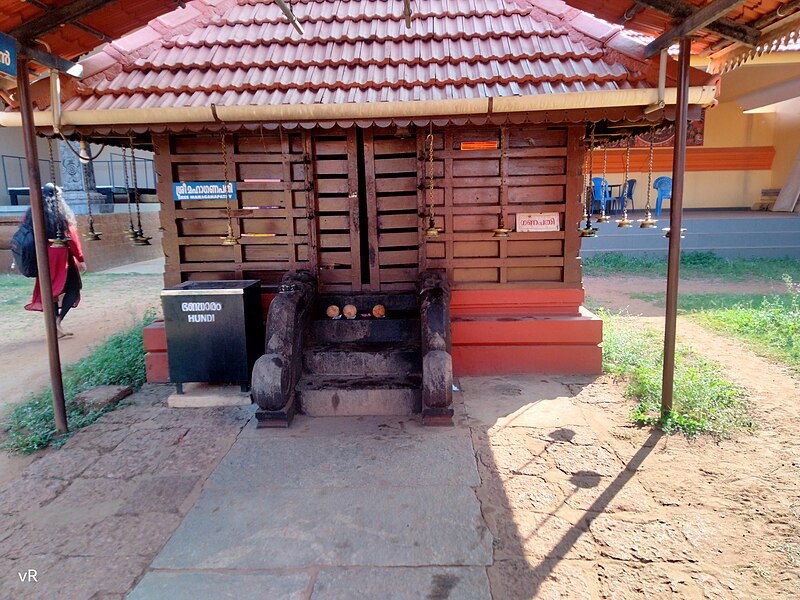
695	303
769	324
704	401
117	361
694	265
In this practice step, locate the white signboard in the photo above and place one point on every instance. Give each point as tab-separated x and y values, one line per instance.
538	222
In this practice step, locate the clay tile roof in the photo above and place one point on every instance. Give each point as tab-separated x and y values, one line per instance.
242	52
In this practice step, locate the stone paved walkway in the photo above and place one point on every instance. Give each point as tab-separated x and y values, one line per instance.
542	490
91	517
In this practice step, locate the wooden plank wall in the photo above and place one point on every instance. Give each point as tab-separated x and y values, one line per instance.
270	212
391	167
542	168
298	191
337	213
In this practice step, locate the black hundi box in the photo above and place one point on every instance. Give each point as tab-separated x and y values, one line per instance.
215	331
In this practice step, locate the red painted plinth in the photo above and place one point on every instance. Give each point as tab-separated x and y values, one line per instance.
156	367
154	337
524	331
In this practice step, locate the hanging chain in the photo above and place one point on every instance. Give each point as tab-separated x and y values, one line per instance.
431	205
625	182
604	184
225	178
502	174
139	232
584	197
588	230
85	168
59	232
131	231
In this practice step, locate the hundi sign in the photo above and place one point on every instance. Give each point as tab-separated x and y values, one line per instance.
203	190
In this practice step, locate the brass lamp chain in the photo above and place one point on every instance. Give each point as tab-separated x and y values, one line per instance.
60	240
502	174
648	222
91	235
141	239
131	233
431	205
584	197
229	239
588	230
431	231
650	170
625	221
604	187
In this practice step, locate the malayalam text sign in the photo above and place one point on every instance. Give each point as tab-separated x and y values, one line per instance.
538	222
8	55
203	190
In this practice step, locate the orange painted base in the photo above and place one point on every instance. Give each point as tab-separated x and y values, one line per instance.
505	360
154	337
524	331
156	367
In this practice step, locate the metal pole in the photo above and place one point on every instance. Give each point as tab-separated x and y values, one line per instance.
40	236
675	219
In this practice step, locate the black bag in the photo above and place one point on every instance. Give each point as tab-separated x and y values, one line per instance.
23	249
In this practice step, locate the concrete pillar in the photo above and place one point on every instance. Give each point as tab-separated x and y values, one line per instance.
74	183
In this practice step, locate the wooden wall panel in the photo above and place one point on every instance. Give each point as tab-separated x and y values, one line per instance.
391	165
269	214
476	190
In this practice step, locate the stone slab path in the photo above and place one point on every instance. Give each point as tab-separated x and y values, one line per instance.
333	508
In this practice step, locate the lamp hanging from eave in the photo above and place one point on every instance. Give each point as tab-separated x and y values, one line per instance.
588	230
625	221
502	231
604	218
431	231
649	222
230	239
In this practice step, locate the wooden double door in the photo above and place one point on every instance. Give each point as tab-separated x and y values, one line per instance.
366	210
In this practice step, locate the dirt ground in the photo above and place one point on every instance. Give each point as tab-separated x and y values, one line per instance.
591	506
102	312
587	506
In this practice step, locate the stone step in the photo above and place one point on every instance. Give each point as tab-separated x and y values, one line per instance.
362	359
338	331
364	302
328	396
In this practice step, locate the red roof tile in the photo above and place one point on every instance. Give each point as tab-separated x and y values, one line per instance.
243	52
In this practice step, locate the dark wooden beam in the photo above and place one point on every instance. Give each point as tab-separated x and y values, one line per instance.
54	18
724	27
90	30
698	20
51	61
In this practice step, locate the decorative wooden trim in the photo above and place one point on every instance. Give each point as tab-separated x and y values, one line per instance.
741	158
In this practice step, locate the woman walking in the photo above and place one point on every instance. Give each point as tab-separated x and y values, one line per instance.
66	264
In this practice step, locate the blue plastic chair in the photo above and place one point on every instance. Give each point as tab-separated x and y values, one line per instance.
601	195
626	195
663	185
